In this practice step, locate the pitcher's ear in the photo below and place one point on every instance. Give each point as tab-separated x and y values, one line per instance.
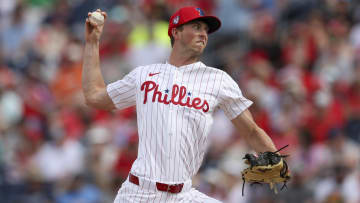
174	32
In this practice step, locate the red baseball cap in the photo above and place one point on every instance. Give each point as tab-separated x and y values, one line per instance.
187	14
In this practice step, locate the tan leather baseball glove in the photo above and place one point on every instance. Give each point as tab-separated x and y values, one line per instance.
267	167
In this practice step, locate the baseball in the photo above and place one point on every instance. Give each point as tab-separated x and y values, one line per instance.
96	18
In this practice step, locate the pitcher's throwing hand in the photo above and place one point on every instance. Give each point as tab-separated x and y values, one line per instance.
94	25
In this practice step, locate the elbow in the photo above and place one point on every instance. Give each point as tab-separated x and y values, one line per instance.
91	97
97	102
90	101
93	103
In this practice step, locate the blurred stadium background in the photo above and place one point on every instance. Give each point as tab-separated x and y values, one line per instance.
298	60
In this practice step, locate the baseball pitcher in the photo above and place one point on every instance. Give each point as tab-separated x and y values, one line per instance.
175	102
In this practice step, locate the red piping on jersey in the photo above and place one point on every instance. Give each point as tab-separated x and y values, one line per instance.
196	103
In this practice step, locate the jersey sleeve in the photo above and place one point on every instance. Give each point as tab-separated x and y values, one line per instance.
232	101
122	92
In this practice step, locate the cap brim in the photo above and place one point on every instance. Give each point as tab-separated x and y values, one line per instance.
213	22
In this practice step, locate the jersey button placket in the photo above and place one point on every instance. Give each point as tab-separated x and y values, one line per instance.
170	113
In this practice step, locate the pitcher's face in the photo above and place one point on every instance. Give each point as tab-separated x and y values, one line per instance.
194	36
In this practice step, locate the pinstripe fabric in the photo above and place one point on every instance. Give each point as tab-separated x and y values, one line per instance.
174	112
129	193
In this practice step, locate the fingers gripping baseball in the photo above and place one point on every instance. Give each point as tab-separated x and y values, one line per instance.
94	25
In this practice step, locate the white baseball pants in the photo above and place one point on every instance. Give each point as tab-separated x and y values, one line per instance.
146	192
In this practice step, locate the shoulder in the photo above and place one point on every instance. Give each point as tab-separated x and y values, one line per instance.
222	76
211	69
220	73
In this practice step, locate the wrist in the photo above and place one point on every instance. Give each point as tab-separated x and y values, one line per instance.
92	42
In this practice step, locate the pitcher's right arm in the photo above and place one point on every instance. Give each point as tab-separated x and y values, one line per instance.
93	84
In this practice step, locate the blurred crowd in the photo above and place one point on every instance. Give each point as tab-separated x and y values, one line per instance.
298	60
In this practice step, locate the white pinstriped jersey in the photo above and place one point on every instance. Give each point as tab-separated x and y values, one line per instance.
174	108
